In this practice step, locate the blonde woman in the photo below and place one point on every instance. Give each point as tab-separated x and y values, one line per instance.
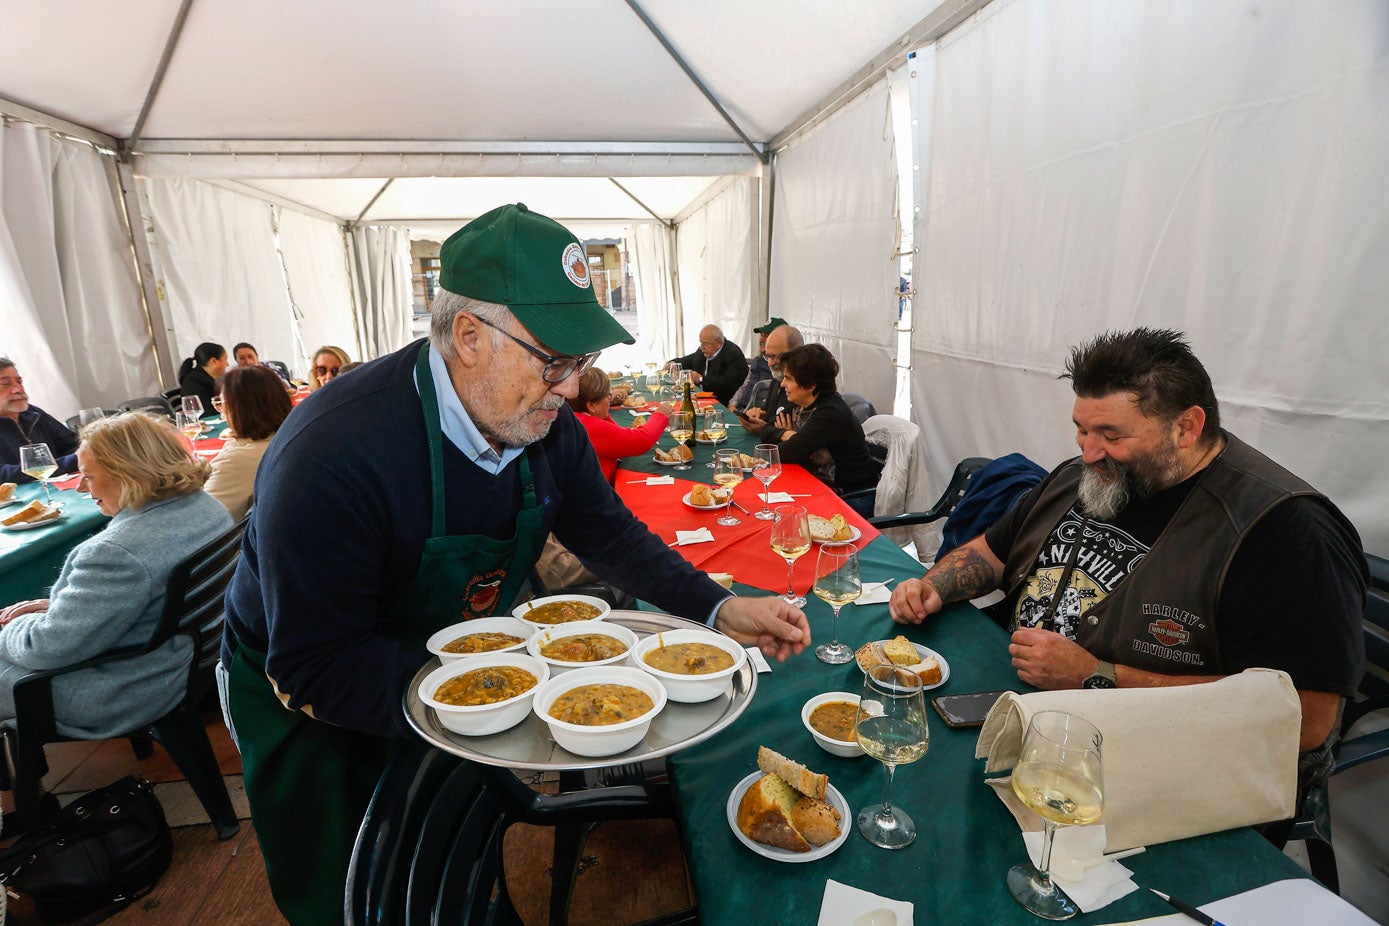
328	362
110	592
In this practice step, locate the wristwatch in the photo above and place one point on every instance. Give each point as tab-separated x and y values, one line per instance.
1102	677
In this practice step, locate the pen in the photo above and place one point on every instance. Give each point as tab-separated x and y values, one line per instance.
1187	908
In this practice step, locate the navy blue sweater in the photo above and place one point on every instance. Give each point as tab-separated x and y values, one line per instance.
341	515
35	426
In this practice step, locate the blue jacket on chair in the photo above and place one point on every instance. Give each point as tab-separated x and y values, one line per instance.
992	491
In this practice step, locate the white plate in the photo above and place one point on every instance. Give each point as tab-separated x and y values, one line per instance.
32	525
8	502
846	822
925	651
700	440
669	462
854	535
686	499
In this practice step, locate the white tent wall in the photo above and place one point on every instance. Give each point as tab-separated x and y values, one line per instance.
220	275
834	243
717	266
315	258
379	261
1216	168
71	314
658	311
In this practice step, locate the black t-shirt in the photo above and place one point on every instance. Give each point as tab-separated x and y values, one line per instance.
1291	600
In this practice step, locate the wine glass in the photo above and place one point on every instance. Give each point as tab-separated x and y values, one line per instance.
837	585
715	428
36	461
728	471
188	424
192	405
681	430
672	376
791	541
767	468
1058	775
891	727
87	415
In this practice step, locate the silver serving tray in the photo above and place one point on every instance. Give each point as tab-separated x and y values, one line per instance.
528	744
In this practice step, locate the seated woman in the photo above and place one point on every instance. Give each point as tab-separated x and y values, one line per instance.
254	402
611	440
110	592
328	362
198	374
822	435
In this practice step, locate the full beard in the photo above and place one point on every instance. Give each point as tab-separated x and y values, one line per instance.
1108	486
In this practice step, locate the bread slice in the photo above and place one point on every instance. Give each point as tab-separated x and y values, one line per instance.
872	654
817	821
793	773
928	671
7	491
34	511
764	814
842	531
900	652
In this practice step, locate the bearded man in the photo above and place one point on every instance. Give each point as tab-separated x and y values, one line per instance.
1169	552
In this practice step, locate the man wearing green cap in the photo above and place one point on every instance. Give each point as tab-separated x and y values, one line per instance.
412	495
759	370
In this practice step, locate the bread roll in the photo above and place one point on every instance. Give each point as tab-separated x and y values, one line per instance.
870	655
793	773
7	491
764	814
701	495
817	821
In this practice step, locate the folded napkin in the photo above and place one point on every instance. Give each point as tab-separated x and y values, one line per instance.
773	498
874	593
700	536
844	904
758	660
1178	762
660	480
1077	850
67	482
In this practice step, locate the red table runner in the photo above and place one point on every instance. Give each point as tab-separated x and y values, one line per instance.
744	550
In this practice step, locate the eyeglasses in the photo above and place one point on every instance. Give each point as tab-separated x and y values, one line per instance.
558	367
217	402
329	372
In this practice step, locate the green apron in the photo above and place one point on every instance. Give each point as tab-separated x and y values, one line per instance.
309	782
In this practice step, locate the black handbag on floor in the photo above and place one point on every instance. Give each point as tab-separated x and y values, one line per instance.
106	850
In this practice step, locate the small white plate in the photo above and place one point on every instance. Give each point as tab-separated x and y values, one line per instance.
854	535
846	822
669	462
686	500
702	440
32	525
923	652
8	502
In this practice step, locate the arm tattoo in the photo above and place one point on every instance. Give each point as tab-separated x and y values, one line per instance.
962	575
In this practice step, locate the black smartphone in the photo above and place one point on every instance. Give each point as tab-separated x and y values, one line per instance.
965	710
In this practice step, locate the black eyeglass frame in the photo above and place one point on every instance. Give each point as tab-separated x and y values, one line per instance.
553	362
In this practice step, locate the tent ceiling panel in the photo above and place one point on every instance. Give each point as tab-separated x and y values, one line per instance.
543	69
87	61
345	198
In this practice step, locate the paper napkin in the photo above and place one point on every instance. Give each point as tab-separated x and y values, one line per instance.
874	593
700	536
773	498
844	904
67	482
1099	885
660	480
758	660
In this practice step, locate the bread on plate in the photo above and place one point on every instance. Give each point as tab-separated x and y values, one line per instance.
786	807
824	530
7	491
899	652
33	512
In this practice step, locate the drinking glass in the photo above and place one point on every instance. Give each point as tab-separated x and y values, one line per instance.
36	461
891	727
728	471
837	585
681	430
767	468
192	405
791	541
672	376
188	424
1058	775
715	428
87	415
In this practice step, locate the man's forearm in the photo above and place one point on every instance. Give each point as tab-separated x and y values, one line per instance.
964	573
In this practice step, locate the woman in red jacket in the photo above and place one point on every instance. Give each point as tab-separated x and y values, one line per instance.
611	440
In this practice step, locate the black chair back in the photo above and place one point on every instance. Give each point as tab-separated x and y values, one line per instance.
156	402
278	366
959	482
859	406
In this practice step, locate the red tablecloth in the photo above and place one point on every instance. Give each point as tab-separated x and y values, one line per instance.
744	550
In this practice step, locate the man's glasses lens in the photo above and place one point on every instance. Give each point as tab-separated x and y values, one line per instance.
559	369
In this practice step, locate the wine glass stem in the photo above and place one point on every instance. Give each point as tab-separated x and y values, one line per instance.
886	814
834	626
1044	872
48	498
790	585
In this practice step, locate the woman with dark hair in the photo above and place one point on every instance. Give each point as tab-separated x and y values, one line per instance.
328	362
611	440
198	375
823	435
255	404
246	355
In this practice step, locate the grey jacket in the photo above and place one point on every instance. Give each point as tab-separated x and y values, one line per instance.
110	594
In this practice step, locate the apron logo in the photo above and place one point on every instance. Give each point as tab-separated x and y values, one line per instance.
576	265
1169	633
480	596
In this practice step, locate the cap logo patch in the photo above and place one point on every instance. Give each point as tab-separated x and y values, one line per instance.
576	265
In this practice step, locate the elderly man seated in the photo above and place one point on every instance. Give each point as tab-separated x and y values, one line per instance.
718	366
1169	552
759	370
22	423
763	409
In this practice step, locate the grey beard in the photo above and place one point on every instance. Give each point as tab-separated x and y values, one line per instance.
1103	500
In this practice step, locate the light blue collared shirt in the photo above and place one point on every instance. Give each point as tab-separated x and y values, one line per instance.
458	427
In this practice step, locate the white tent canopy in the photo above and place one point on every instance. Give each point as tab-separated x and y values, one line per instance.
1074	165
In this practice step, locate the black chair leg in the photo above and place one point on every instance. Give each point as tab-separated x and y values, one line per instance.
31	804
142	745
1321	858
183	735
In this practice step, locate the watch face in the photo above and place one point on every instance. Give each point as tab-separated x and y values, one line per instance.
1098	681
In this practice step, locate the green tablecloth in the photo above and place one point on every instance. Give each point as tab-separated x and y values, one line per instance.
954	872
738	439
30	560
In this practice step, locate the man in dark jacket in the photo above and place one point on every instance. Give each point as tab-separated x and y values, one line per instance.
22	423
719	366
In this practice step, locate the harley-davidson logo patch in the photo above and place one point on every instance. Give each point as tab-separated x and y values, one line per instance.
1169	633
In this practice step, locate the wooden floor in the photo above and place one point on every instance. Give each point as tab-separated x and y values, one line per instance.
631	871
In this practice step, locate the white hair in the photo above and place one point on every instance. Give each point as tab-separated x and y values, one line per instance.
445	310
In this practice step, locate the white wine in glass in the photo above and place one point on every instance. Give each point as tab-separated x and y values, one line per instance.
681	430
766	468
838	584
1059	776
891	727
715	428
791	541
36	461
188	424
728	472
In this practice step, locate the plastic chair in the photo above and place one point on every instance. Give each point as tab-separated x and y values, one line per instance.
430	846
194	608
959	482
157	402
859	406
75	422
278	366
1314	822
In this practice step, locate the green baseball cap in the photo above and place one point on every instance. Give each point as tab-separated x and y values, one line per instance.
538	269
768	328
